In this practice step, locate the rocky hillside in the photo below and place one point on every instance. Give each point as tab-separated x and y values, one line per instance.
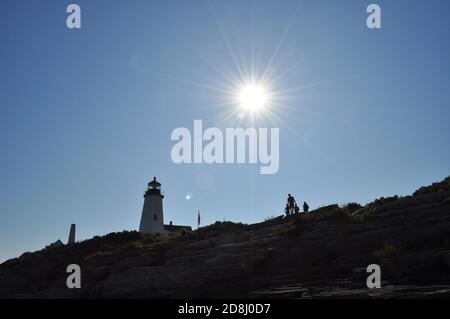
320	255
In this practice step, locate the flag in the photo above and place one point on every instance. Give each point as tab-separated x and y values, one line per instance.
198	219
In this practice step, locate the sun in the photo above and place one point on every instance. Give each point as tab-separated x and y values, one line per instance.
253	97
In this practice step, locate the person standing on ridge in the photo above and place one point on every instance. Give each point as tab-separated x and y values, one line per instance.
286	210
305	208
291	202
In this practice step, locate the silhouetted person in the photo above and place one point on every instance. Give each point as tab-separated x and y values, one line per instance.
287	210
297	209
291	201
305	207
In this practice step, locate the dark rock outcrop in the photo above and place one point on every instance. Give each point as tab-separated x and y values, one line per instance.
321	255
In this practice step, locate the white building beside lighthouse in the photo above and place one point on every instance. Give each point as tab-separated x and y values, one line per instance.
152	219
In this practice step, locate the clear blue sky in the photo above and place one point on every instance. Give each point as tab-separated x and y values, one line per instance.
86	115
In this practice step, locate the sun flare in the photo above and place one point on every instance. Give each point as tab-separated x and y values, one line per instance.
253	98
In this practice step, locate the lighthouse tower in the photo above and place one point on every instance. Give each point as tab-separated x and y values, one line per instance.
152	220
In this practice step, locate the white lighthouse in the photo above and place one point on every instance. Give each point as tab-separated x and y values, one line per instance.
152	219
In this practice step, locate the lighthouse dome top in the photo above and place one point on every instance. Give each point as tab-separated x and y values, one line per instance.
154	183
